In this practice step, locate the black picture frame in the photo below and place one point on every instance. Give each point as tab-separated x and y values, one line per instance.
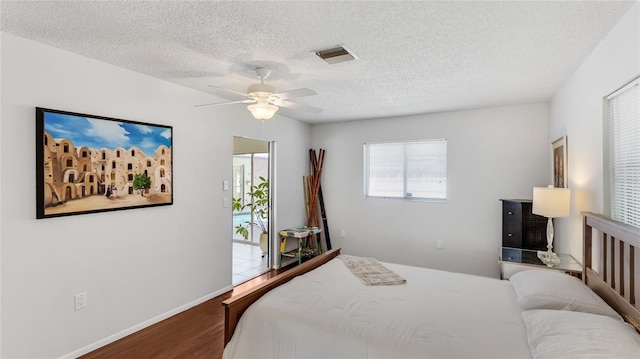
88	164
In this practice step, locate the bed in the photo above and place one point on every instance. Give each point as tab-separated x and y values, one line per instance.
321	310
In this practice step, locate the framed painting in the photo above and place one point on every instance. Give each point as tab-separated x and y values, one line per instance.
87	163
559	154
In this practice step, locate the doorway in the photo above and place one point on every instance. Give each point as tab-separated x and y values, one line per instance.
251	164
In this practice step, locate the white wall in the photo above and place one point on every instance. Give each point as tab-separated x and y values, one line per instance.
576	111
139	265
492	153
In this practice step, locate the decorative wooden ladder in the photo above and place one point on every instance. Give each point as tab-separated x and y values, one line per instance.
315	199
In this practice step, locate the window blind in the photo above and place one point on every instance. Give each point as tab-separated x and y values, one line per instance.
623	158
409	170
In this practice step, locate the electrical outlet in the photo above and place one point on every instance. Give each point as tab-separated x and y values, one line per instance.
439	244
225	202
80	301
343	233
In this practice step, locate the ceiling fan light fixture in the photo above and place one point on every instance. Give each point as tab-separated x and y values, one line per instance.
264	99
262	111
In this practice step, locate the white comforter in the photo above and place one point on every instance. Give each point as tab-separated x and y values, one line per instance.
329	313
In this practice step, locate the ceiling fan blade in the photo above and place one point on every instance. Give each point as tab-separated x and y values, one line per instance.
299	107
225	103
228	94
295	93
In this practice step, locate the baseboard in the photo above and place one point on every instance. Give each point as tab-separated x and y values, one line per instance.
112	338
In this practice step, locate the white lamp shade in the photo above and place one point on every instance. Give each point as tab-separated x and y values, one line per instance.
551	202
262	111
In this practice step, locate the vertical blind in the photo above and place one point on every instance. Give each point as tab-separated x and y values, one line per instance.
623	159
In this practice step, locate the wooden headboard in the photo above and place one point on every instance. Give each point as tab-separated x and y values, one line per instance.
610	247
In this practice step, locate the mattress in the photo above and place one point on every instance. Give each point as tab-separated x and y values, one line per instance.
329	313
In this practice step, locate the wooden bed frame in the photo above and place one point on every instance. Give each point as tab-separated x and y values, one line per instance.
235	306
617	282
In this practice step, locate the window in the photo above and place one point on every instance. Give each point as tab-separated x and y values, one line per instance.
409	170
622	154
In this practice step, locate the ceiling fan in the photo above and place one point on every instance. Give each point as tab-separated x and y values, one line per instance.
263	100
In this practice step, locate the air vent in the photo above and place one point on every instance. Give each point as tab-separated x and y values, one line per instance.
336	55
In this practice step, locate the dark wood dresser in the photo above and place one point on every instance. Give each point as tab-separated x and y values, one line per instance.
520	227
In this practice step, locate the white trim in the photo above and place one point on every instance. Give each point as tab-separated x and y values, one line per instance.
407	141
147	323
274	239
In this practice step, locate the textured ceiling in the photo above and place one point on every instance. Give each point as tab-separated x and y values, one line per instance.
414	57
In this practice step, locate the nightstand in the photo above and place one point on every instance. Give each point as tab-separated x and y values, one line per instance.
513	260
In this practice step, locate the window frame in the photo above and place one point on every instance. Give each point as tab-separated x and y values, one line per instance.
407	196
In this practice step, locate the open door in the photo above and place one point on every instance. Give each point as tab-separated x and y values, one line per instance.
251	243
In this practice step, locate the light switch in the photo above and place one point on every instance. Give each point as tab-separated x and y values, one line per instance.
225	185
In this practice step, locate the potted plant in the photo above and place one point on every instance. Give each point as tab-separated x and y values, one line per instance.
258	206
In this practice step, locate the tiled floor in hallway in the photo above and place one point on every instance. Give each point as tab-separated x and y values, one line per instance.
247	262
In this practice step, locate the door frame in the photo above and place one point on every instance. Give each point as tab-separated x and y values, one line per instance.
273	250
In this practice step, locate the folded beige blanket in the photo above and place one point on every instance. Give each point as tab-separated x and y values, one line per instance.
370	271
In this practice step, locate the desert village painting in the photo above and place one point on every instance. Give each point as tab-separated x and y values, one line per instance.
96	164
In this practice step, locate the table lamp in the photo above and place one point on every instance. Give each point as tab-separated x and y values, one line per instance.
552	203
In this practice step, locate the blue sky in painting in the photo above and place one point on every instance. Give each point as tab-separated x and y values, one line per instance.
97	133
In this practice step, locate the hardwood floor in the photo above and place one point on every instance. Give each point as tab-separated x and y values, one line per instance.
195	333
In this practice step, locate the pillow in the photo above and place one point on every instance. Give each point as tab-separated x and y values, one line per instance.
565	334
546	289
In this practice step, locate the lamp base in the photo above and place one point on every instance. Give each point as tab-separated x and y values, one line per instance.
548	255
549	258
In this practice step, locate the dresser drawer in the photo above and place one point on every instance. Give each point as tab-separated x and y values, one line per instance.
512	237
520	227
511	225
511	212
